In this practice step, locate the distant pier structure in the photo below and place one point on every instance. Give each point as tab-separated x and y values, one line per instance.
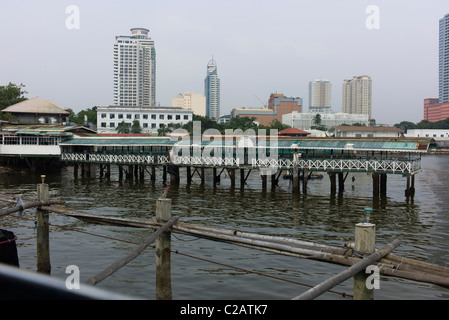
299	158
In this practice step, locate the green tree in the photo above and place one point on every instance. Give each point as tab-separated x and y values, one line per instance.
91	114
11	94
163	130
317	119
135	128
122	128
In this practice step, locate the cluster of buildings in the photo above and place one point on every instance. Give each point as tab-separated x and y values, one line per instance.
134	96
437	109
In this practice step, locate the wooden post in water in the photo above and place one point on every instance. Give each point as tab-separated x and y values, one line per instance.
333	182
383	184
43	235
375	184
365	242
163	262
189	175
295	174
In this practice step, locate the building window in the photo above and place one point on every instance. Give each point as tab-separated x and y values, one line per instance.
137	116
145	117
103	115
153	116
145	125
112	125
178	117
112	116
161	117
120	116
128	116
153	126
169	117
186	117
103	124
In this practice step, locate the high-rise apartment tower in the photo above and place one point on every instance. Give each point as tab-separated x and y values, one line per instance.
444	60
135	69
320	93
357	95
212	91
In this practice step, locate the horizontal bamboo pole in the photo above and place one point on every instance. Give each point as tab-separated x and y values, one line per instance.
122	262
28	205
348	273
389	265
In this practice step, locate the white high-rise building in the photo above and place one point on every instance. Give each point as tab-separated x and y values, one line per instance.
135	69
357	96
191	101
444	60
320	96
212	91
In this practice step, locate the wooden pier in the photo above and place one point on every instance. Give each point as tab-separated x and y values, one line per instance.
136	158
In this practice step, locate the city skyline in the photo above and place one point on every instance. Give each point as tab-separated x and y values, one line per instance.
256	56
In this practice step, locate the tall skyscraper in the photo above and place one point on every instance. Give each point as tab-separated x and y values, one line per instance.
444	60
320	96
357	95
135	69
212	91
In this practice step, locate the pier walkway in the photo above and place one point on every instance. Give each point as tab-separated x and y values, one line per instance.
296	157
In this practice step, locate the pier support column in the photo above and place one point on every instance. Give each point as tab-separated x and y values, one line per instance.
264	181
333	182
376	185
383	184
108	171
341	182
75	170
410	188
305	179
120	172
189	175
174	174
203	176
242	178
231	173
164	173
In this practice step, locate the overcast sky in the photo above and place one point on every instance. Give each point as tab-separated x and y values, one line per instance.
260	47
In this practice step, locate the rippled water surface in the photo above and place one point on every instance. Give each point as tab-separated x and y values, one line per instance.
205	269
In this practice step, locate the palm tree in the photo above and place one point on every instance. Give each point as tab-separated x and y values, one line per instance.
317	119
122	128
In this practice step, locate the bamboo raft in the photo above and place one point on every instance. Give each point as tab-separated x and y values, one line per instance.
389	265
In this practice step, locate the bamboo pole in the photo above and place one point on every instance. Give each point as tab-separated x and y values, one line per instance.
348	273
122	262
430	273
163	254
365	243
43	231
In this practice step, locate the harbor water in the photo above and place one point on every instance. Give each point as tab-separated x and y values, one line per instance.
210	270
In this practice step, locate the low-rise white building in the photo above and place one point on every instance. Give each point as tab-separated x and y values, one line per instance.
150	118
428	133
366	132
305	121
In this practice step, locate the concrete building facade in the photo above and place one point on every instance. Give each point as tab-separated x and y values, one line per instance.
357	95
305	121
191	101
135	69
320	96
150	118
278	105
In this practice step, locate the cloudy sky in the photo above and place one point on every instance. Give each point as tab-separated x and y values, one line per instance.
260	47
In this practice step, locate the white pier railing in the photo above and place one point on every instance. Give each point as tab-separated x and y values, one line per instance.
399	166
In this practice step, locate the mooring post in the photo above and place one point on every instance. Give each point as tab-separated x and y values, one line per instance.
295	174
42	228
376	184
163	264
365	243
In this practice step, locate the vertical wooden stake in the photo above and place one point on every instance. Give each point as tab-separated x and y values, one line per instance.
43	237
365	241
163	264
